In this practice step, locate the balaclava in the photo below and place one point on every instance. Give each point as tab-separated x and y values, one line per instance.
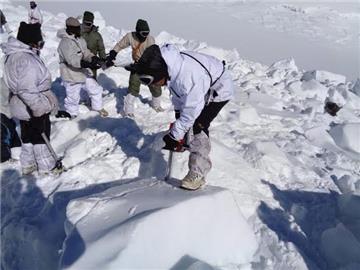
142	30
33	4
152	63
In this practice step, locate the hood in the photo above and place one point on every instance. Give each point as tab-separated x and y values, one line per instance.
173	59
14	45
62	34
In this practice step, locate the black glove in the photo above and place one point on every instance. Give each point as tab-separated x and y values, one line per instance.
84	64
131	67
177	114
110	58
94	64
170	142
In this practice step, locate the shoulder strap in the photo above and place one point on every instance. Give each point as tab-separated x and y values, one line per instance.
208	72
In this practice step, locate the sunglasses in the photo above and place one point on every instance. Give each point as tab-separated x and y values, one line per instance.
144	33
146	79
88	23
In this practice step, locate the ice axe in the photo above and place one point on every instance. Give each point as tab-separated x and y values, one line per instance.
58	163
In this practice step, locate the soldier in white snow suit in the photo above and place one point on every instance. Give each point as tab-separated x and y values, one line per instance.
200	86
31	100
139	41
35	15
75	63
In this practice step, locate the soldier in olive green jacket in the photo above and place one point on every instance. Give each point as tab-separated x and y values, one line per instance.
139	41
93	38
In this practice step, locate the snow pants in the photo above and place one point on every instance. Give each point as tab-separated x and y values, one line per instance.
34	151
199	159
73	93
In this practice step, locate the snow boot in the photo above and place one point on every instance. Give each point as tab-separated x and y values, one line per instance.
129	101
192	181
103	113
26	170
155	104
44	159
27	159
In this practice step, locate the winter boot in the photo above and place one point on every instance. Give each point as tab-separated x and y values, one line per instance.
44	159
129	101
103	113
27	159
155	104
192	181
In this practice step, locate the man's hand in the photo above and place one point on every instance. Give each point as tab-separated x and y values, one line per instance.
170	142
94	64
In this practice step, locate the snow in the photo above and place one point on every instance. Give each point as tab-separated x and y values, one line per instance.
157	226
283	192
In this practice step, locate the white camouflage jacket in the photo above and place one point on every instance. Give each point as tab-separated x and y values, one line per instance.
189	85
71	51
35	16
28	80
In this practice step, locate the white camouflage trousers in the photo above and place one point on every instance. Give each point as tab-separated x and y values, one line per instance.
37	155
73	93
199	159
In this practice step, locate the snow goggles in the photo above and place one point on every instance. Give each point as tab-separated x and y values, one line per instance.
88	23
144	33
146	79
41	44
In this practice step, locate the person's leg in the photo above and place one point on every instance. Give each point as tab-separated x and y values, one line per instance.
156	98
199	158
133	93
71	102
27	158
95	91
44	159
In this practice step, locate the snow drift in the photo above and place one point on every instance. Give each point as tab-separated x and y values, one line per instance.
151	224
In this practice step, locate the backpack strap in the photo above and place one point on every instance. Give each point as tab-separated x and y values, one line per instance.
211	92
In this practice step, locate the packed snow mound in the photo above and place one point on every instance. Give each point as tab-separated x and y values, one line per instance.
347	136
156	226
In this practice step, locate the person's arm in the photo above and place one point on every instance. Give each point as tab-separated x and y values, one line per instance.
123	43
192	106
101	47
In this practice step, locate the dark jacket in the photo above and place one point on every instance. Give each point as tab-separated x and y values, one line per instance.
94	42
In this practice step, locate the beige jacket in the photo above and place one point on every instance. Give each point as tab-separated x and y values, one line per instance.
137	48
71	51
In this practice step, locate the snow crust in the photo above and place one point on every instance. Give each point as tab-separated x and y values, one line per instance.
283	169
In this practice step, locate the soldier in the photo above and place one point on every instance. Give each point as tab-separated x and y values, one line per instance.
139	41
75	60
93	38
200	86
